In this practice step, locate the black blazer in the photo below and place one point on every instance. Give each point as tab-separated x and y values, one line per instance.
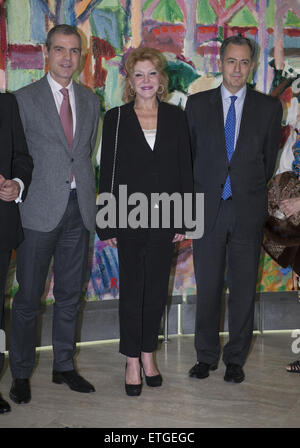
252	163
165	169
15	161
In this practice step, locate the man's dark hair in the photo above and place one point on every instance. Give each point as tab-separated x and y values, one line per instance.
238	40
61	29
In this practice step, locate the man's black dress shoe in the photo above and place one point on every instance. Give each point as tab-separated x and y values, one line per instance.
73	380
4	406
20	391
234	373
201	370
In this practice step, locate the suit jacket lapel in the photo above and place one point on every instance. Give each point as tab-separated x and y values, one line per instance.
159	127
218	118
80	115
47	105
129	114
129	118
217	108
246	113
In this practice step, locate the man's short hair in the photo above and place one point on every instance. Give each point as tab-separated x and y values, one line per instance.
61	29
238	40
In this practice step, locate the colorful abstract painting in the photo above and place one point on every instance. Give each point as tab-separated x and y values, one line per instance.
189	33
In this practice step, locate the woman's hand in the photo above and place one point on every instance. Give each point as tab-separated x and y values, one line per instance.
290	206
112	242
178	237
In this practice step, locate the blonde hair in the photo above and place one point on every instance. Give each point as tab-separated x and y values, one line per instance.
159	62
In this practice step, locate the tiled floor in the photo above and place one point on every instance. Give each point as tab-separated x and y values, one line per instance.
268	398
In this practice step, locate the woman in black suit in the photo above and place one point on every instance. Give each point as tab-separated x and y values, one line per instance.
152	156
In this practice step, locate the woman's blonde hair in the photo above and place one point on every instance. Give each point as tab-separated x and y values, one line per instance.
159	62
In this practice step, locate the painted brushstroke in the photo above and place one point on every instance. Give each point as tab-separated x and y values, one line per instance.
3	39
136	22
101	49
189	32
26	57
107	25
65	11
37	22
166	37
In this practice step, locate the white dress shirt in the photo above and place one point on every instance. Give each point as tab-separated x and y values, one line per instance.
58	98
239	104
150	136
20	182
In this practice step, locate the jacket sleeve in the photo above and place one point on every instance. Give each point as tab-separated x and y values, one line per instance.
96	124
22	164
106	167
272	140
185	160
189	116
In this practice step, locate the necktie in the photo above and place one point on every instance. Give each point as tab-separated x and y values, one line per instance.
66	118
229	137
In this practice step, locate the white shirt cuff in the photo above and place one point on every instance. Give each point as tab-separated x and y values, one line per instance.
20	182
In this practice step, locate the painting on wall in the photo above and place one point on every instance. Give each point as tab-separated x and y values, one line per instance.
189	33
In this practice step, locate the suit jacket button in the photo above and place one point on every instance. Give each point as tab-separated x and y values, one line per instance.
72	160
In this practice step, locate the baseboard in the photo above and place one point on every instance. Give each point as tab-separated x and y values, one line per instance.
99	320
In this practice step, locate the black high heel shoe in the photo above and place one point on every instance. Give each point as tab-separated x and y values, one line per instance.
152	381
133	390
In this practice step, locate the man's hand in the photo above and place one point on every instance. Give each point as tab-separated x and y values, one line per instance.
2	180
9	189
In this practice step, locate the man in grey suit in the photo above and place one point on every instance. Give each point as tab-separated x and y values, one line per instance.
60	120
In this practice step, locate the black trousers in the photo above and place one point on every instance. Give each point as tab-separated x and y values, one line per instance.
144	270
216	250
68	244
4	265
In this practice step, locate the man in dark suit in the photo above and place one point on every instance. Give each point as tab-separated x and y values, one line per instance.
235	133
15	175
60	119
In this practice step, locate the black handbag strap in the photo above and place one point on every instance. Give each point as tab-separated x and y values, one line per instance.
115	152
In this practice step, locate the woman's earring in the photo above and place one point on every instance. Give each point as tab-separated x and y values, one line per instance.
131	91
161	89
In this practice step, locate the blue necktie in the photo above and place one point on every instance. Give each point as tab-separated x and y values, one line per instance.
229	137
